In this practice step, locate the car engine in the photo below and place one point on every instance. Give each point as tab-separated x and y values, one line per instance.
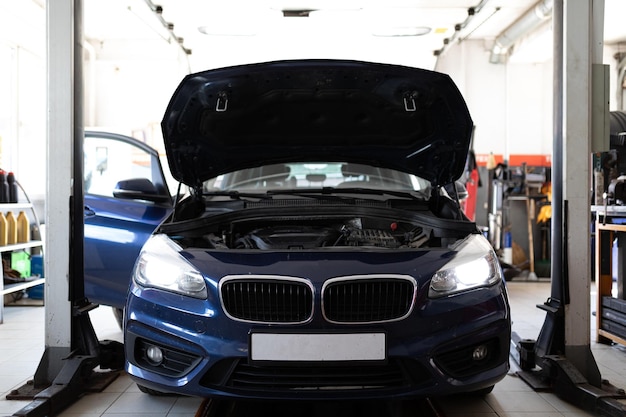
310	236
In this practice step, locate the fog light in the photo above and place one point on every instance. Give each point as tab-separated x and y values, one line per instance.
480	352
155	355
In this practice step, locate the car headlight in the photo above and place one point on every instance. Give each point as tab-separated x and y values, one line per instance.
474	265
160	265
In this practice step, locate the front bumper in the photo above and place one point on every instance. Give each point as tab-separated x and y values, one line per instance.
213	361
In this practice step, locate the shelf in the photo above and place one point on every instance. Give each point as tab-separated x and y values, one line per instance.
30	282
19	246
611	336
15	206
19	286
604	276
612	227
522	197
613	210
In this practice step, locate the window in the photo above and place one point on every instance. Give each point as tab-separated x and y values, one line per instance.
316	175
108	161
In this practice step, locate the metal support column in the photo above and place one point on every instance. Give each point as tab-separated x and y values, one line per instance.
579	46
72	349
60	131
562	350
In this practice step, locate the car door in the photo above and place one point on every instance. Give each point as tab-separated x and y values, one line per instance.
126	198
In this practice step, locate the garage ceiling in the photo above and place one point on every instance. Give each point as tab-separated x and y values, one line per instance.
211	34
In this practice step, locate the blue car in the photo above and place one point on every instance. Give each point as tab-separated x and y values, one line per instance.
318	254
126	198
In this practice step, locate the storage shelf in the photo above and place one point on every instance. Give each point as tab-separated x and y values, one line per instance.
19	286
612	337
27	283
19	246
15	206
608	221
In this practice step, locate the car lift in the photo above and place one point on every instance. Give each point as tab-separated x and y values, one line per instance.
72	351
67	367
560	360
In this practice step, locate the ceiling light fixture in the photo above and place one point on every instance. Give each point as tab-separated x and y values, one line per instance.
297	13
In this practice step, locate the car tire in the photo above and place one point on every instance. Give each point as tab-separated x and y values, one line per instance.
119	317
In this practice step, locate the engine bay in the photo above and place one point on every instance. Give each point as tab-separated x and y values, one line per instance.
303	235
313	224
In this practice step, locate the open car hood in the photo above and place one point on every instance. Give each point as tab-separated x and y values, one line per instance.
403	118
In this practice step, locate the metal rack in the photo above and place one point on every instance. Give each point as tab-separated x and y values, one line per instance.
28	282
610	223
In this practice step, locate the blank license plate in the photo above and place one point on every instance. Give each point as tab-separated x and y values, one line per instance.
317	347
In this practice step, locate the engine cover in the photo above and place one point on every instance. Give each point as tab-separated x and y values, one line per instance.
371	237
293	237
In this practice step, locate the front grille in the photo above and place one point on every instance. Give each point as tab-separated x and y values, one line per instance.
368	299
267	299
240	375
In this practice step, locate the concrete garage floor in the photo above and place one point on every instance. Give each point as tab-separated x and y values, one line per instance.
22	344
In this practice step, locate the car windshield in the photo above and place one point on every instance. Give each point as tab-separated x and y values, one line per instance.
307	175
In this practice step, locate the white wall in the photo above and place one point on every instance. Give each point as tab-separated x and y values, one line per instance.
23	93
529	108
511	104
615	90
129	95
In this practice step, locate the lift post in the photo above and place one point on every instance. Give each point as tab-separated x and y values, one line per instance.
72	350
562	353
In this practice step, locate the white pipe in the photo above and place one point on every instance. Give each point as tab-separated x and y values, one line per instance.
541	12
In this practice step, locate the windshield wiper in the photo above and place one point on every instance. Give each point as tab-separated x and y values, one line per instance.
325	191
318	193
236	195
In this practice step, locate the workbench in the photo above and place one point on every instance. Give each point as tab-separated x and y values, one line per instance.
610	223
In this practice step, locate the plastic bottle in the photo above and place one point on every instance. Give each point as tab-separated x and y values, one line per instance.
35	234
36	265
13	193
11	228
23	228
3	229
4	187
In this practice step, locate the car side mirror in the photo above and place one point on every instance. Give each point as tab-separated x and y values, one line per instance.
138	189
